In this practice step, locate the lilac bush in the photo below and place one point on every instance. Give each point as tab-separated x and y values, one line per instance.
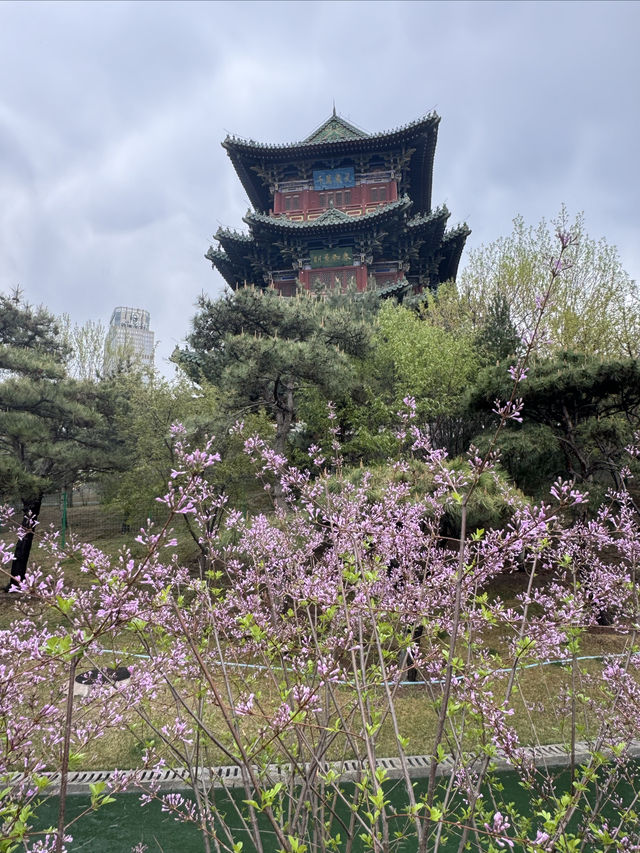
291	654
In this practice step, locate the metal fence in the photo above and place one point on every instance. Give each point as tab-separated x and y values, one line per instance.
88	519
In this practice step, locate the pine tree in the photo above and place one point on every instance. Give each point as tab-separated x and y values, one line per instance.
52	428
580	413
498	337
261	349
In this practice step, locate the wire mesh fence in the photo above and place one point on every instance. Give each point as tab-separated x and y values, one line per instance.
94	521
87	519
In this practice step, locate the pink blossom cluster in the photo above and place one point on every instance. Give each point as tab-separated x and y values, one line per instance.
294	650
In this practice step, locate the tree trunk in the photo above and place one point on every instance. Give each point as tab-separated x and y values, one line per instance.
30	513
284	419
412	669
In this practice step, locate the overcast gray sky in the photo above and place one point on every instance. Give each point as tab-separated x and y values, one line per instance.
112	178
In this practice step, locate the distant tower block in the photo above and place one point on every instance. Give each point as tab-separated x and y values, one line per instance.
129	340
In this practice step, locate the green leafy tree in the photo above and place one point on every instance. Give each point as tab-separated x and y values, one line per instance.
363	418
421	358
426	361
595	305
85	345
146	426
424	348
444	308
262	350
52	428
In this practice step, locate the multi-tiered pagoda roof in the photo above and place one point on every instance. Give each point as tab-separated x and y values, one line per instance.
341	206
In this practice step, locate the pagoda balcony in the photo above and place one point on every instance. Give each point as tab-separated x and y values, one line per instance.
346	278
309	203
332	277
360	276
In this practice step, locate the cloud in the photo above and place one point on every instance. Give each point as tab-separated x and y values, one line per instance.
112	178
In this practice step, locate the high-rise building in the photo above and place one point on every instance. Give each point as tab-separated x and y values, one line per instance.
129	340
343	208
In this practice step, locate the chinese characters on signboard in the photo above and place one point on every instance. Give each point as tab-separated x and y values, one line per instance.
334	178
331	258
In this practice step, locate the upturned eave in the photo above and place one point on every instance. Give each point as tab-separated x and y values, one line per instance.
420	135
343	225
453	243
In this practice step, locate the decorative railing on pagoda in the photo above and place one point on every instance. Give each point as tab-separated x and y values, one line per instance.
380	279
328	279
345	278
308	203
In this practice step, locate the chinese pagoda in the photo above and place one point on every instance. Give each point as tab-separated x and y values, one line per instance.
343	208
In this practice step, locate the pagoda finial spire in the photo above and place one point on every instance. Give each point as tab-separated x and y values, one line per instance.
334	107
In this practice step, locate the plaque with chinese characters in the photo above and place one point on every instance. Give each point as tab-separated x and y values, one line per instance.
331	258
331	179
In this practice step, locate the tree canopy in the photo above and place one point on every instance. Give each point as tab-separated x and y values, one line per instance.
579	413
85	344
146	424
261	349
423	359
595	305
52	428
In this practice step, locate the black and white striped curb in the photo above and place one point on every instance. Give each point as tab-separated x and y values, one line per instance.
230	776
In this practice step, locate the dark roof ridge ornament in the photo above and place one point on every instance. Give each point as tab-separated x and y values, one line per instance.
428	121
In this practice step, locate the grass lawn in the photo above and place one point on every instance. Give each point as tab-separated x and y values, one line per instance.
540	701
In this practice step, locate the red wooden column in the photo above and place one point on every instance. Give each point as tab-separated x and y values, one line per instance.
361	278
303	275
